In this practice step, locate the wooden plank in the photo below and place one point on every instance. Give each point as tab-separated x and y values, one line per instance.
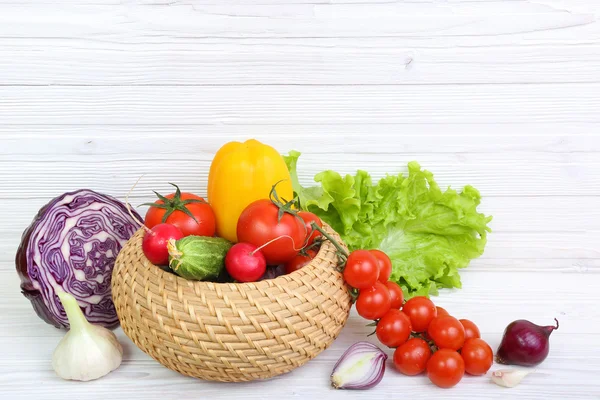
494	174
526	215
381	61
458	23
313	105
114	142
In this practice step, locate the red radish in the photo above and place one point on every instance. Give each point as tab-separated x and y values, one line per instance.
154	244
245	262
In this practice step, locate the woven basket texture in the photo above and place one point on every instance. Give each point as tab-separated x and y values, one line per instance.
230	332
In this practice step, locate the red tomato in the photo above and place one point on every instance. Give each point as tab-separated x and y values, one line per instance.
259	224
245	263
478	356
308	218
441	311
421	311
396	294
299	261
173	213
373	303
393	328
385	265
447	332
471	330
411	357
445	368
361	269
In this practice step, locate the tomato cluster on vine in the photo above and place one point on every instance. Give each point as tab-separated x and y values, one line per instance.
426	338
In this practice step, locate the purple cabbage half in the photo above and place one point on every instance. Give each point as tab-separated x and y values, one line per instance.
72	245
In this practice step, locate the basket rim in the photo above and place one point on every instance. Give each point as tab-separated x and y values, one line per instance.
327	246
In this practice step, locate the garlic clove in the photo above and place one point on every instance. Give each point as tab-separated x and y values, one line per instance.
361	367
87	351
509	377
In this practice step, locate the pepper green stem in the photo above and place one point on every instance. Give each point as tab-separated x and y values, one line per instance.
330	238
76	318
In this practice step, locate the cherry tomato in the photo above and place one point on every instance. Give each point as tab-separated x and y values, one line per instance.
412	356
384	263
201	222
361	269
308	218
154	243
245	263
447	332
373	303
396	294
478	356
259	224
299	261
421	311
445	368
393	328
471	330
441	311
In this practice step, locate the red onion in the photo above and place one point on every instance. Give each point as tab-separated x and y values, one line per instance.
525	343
361	367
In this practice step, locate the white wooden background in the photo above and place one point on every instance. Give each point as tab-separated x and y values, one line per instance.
504	95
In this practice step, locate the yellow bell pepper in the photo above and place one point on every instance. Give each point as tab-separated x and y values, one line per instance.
240	174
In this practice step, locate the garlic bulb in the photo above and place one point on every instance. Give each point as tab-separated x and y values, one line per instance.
87	351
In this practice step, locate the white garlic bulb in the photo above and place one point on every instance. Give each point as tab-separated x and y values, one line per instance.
87	351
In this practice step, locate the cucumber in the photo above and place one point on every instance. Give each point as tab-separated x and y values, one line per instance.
198	258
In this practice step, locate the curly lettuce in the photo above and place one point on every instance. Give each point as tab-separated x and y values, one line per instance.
429	234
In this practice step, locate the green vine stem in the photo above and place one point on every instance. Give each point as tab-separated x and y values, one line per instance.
342	255
338	247
430	342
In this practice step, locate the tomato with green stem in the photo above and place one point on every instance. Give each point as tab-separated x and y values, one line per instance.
447	332
373	303
421	311
188	212
445	368
393	328
274	227
412	356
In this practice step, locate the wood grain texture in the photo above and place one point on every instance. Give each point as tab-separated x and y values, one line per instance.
503	95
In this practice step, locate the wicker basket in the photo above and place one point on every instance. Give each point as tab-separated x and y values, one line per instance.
225	331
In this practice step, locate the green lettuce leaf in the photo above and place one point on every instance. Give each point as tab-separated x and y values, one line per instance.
428	233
